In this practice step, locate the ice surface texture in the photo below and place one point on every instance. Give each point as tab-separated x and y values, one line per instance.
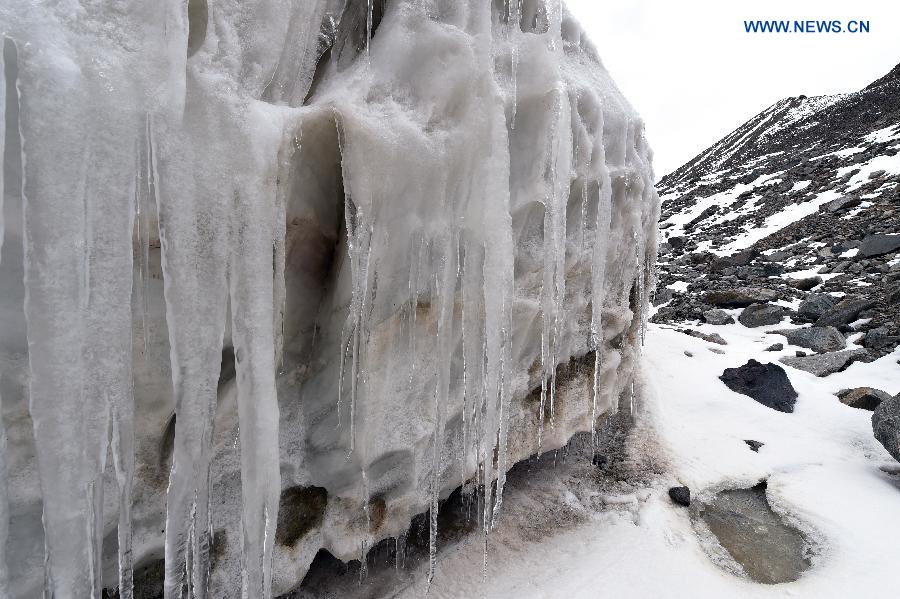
275	247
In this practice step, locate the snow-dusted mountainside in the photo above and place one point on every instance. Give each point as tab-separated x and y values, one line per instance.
804	197
280	276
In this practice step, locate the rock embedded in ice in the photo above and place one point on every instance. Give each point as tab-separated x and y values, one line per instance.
766	383
768	550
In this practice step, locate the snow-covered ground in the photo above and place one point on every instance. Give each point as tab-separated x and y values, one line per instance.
826	475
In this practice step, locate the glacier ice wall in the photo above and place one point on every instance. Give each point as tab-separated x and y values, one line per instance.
279	275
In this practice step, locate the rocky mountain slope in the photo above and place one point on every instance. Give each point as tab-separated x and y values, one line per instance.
797	210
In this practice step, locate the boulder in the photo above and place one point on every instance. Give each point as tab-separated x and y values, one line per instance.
886	425
814	306
880	338
844	312
824	364
680	496
805	284
718	316
758	315
775	347
818	339
878	245
739	297
766	383
863	398
844	203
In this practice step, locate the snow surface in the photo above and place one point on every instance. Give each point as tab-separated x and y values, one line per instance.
826	474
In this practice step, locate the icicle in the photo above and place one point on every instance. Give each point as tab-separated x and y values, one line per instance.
77	303
359	240
252	282
598	275
369	11
514	17
4	507
444	286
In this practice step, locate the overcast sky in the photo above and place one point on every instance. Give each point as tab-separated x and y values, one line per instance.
694	74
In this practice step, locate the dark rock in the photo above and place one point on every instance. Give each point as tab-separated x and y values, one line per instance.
757	315
775	347
863	398
718	316
879	338
886	425
740	297
766	383
676	242
300	510
878	245
754	445
702	216
824	364
800	354
662	296
815	305
843	203
844	312
818	339
680	495
805	284
708	337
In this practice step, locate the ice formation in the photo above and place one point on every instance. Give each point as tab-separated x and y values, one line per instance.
279	275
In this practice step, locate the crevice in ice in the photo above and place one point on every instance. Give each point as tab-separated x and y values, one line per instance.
198	21
358	25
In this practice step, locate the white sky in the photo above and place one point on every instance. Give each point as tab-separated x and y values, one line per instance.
694	75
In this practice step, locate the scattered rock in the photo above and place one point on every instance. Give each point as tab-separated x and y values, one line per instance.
844	312
680	495
880	338
886	425
824	364
662	296
754	445
716	350
844	203
863	398
708	337
718	316
814	306
818	339
740	297
702	216
805	284
878	245
766	383
775	347
758	315
688	354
